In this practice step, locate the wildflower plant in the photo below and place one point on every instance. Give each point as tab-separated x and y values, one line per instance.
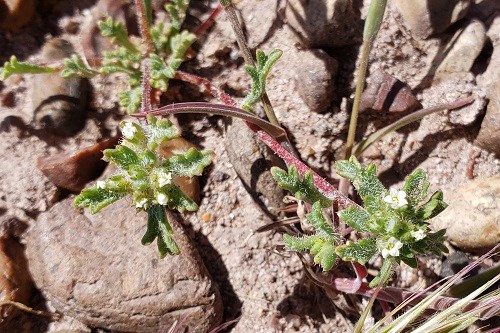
169	44
394	223
148	178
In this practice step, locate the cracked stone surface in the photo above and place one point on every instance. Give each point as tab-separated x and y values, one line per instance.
94	268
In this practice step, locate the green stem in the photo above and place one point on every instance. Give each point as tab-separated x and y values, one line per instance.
247	55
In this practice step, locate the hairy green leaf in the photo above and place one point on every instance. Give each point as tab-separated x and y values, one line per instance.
131	99
433	206
360	251
326	256
300	243
122	156
416	187
96	198
320	222
13	66
74	66
385	274
116	31
364	179
259	74
159	228
189	164
160	130
302	189
357	218
178	200
177	10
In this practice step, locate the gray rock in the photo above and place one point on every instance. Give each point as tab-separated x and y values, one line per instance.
94	268
492	73
59	105
472	218
425	18
314	76
252	161
325	23
465	48
489	134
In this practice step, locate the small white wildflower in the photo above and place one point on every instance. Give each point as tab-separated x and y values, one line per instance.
392	248
141	203
396	198
164	178
100	184
418	234
162	198
129	130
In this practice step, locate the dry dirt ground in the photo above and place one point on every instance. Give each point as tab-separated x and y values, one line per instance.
267	289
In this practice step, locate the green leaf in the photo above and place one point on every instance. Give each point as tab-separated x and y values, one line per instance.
432	243
302	189
160	35
302	243
177	10
433	206
385	274
360	251
160	73
179	44
412	262
160	130
364	179
189	164
259	74
178	200
131	99
320	222
18	67
74	66
96	198
116	31
122	156
122	60
326	256
158	227
357	218
416	187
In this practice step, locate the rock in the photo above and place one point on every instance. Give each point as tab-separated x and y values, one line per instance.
257	21
15	282
425	18
325	23
252	162
73	171
492	72
472	218
464	49
453	264
16	13
59	104
93	268
314	76
384	92
489	134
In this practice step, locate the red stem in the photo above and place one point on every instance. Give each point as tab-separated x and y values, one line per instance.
208	22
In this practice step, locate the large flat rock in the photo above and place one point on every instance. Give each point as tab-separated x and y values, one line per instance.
94	268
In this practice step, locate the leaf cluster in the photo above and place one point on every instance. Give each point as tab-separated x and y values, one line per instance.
148	178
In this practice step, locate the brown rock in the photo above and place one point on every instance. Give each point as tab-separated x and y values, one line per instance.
472	218
15	281
489	134
73	171
252	162
384	92
94	268
325	23
425	18
59	104
16	13
314	76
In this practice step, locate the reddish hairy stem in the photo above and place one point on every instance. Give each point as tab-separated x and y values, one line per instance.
146	87
143	26
200	81
208	22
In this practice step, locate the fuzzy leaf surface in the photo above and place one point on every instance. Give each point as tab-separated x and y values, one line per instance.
158	228
189	164
95	198
433	206
360	251
13	66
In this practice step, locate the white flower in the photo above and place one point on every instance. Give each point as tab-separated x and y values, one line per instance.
164	178
141	203
418	234
162	198
129	130
396	198
100	184
392	248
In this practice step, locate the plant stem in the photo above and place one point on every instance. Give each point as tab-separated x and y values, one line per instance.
372	25
208	22
142	19
412	117
247	55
